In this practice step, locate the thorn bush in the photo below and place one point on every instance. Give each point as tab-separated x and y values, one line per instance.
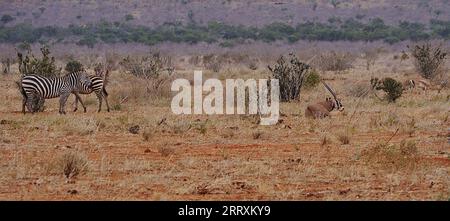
291	73
428	60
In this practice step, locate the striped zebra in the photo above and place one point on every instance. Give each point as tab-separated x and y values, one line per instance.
47	88
97	86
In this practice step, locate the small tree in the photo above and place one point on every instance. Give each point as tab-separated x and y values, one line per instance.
392	87
291	74
428	60
45	66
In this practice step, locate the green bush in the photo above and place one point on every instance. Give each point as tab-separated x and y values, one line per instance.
392	87
312	79
73	66
44	66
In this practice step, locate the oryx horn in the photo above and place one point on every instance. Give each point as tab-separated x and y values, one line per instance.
329	89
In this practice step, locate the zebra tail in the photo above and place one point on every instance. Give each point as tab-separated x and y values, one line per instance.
104	91
22	91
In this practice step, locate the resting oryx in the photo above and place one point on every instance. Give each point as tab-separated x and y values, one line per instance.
323	109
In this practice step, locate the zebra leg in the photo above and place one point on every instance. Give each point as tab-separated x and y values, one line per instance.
105	95
81	101
24	103
100	98
76	104
62	102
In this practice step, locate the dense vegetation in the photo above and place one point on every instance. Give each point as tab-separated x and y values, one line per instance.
227	35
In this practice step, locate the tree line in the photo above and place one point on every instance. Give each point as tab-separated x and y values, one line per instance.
335	29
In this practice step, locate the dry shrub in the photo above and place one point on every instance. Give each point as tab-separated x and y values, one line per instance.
213	62
6	65
180	127
291	73
371	55
148	134
344	138
159	87
147	67
360	89
227	133
112	61
200	126
401	156
325	140
71	164
411	127
428	60
334	61
257	135
243	59
194	60
165	150
391	119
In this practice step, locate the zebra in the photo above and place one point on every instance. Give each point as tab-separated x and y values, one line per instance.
97	86
46	88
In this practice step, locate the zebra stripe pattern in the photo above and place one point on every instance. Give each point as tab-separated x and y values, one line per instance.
47	88
97	86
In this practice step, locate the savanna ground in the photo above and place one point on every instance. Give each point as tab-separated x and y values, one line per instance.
374	150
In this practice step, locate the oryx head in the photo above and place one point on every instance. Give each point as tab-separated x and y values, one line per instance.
337	102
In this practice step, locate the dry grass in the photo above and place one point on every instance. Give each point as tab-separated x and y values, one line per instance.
344	138
229	157
70	164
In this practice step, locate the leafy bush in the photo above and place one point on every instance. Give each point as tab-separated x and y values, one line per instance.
428	60
312	79
392	87
291	74
73	66
44	66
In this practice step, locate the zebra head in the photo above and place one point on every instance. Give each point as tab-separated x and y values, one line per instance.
84	79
